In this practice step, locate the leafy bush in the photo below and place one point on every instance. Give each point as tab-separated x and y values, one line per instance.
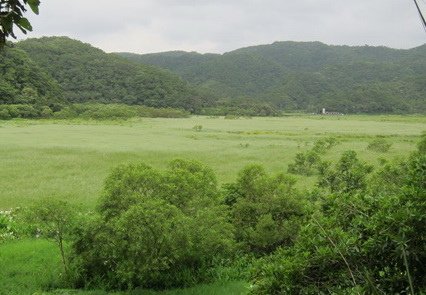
349	174
307	163
154	229
266	210
54	219
356	243
379	145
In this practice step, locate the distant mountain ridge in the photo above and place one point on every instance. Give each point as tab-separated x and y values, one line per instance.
307	75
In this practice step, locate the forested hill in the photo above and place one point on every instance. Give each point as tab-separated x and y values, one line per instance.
87	74
22	81
308	75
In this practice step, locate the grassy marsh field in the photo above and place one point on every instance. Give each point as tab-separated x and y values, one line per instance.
70	160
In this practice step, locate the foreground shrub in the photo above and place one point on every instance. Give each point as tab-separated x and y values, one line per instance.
307	163
154	229
348	175
357	243
53	219
266	210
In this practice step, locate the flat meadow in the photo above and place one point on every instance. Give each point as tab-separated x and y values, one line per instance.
71	159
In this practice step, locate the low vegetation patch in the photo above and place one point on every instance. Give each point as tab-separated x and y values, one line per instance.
380	145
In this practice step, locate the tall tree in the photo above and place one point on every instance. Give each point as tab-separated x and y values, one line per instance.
12	14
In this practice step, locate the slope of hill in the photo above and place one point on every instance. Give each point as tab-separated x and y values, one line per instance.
87	74
22	80
308	75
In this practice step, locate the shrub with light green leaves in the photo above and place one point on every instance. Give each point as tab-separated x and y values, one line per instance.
154	229
357	242
266	210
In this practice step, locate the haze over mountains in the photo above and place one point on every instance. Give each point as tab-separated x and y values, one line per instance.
259	80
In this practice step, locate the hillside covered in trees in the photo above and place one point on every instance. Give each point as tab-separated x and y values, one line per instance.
87	74
26	89
307	76
41	76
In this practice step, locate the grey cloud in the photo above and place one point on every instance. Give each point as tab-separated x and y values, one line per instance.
223	25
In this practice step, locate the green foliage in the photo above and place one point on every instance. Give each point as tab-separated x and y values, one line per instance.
27	111
357	243
307	76
154	229
379	145
307	163
98	111
241	107
349	174
8	225
54	219
266	210
87	74
12	14
22	81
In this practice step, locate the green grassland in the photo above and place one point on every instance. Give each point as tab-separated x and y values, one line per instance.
70	160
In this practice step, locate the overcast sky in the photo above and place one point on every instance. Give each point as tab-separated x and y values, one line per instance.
144	26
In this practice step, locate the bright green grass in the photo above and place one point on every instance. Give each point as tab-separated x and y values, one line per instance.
33	266
28	266
70	159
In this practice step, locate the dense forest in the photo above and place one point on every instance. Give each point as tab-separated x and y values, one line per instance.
25	88
87	74
39	77
307	76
